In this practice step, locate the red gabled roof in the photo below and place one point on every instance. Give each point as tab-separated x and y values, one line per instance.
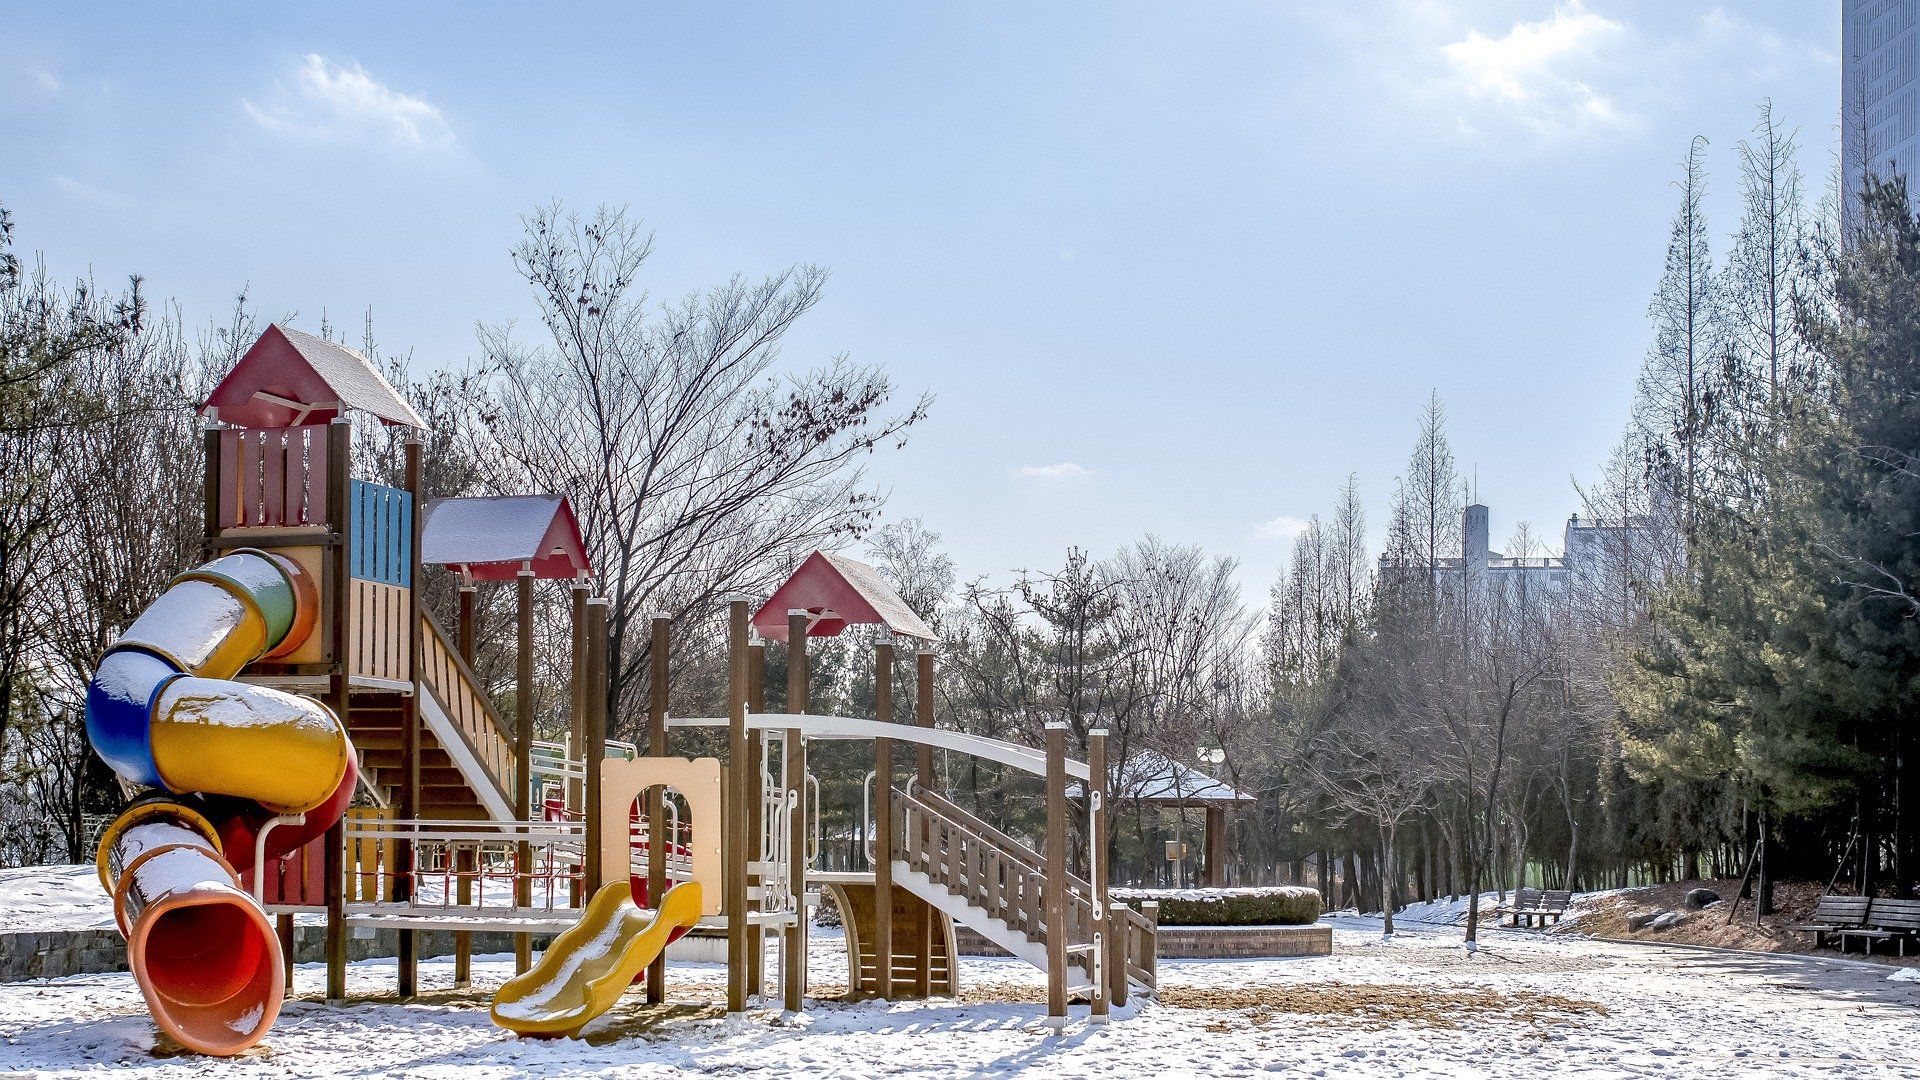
493	537
289	378
837	592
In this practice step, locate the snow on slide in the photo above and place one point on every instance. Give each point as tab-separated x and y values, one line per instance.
588	967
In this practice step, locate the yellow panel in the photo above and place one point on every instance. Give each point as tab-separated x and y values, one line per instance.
698	781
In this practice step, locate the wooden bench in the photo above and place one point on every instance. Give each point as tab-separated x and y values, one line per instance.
1892	920
1832	916
1533	907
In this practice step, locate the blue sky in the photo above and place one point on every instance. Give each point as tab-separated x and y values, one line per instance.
1167	268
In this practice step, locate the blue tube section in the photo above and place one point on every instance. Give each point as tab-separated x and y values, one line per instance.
120	711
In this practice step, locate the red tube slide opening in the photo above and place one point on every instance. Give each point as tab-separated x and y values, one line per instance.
210	966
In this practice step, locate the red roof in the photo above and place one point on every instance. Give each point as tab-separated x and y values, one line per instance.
493	537
289	378
837	592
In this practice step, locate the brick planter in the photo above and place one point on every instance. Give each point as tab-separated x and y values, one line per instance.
1204	942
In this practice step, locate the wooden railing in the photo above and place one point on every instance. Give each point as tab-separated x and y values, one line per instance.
1003	882
1138	945
988	869
454	686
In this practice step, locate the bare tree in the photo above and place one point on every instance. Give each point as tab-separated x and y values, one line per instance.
694	470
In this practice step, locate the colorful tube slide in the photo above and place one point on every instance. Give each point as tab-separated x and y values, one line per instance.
224	758
588	967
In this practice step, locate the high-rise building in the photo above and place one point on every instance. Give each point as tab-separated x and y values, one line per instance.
1879	91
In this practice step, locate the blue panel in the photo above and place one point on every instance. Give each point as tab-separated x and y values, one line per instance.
382	547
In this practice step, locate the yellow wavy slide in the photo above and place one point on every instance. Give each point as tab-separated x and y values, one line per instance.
588	967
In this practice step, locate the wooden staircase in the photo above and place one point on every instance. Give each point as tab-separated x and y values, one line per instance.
987	881
912	918
466	753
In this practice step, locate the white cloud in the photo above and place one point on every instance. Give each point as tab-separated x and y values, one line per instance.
1285	527
1539	74
87	192
1065	470
47	82
334	102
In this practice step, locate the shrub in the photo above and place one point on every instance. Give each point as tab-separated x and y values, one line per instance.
1274	905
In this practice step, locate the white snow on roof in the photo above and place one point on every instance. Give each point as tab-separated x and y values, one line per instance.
352	376
1151	776
873	586
494	529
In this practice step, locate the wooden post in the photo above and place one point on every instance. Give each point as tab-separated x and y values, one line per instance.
407	948
736	813
465	863
338	594
1216	841
883	817
283	931
1053	886
794	762
595	700
657	839
923	711
523	758
923	771
464	635
1103	928
577	702
1150	956
757	809
210	495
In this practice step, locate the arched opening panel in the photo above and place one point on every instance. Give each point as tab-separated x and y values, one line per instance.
698	783
675	832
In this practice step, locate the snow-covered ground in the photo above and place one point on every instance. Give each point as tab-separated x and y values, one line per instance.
53	898
1415	1007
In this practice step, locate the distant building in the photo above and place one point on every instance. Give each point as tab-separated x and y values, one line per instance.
1588	549
1879	91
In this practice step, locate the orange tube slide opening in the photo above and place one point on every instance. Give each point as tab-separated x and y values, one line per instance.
210	965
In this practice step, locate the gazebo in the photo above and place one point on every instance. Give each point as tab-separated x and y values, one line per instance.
1154	779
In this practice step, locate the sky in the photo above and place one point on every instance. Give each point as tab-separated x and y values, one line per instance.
1177	269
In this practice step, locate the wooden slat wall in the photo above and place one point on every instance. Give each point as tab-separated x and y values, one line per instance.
367	855
380	640
273	477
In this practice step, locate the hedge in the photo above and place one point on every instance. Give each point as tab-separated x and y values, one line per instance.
1275	905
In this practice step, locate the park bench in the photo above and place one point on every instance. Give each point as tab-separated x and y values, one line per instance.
1536	906
1832	916
1897	921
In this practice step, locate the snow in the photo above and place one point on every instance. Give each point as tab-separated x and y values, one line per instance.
180	870
486	529
224	704
1216	893
1418	1007
1907	974
188	622
53	898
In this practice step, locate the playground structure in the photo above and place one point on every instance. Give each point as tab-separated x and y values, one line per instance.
297	672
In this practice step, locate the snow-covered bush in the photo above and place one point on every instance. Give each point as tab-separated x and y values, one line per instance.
1268	905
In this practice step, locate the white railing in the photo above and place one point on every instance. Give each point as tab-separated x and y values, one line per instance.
462	868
